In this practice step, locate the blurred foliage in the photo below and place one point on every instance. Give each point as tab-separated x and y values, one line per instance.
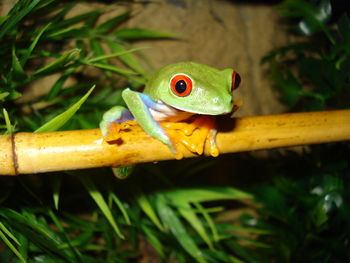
313	74
306	202
52	52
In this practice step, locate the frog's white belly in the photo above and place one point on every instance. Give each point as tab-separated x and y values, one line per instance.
165	112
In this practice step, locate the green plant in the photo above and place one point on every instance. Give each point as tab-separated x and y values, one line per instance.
305	202
314	74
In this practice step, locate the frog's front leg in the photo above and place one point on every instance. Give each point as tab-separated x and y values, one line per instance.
140	105
115	115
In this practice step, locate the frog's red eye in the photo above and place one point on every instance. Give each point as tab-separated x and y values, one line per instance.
181	85
236	80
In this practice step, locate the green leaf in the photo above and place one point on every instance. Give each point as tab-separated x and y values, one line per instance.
141	33
37	231
343	26
61	119
17	70
112	23
29	51
57	87
8	233
59	22
171	220
69	32
206	194
188	213
98	198
129	59
3	19
154	240
114	69
241	251
209	220
313	17
9	244
9	127
4	95
67	57
112	55
147	208
96	47
59	226
121	207
224	257
16	16
286	83
56	187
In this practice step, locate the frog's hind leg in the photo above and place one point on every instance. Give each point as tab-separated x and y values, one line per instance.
111	122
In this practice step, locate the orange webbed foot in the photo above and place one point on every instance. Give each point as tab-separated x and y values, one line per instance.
193	135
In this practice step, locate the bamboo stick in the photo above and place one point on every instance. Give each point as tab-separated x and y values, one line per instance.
25	153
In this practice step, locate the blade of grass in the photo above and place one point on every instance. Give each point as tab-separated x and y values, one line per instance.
17	70
60	24
56	187
147	208
141	33
241	251
37	231
59	226
12	247
121	207
171	220
80	240
96	47
112	23
15	17
224	257
153	239
62	118
188	213
112	55
29	51
129	59
24	247
74	31
4	95
101	203
207	194
209	220
68	56
8	233
3	19
120	71
9	127
57	87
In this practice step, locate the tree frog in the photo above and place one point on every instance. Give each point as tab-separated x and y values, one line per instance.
175	93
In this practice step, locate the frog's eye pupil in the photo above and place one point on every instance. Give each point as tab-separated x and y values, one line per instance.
181	85
236	80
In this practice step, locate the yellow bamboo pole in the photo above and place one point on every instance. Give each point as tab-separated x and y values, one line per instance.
25	153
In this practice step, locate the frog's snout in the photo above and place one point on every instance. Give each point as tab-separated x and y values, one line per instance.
236	81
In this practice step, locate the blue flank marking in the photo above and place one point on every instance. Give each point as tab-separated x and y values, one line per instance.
148	103
126	116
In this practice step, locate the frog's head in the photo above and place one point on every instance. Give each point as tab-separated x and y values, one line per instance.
194	88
